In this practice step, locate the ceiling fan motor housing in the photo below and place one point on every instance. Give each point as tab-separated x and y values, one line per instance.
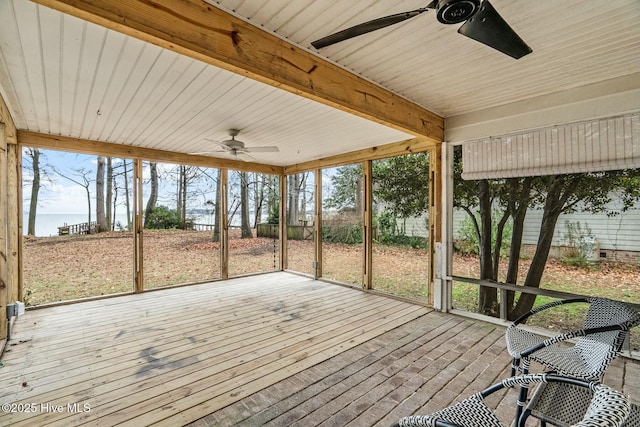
233	143
456	11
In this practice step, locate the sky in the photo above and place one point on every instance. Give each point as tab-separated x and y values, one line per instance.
60	195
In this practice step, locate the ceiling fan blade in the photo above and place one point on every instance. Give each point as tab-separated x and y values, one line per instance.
366	27
488	27
205	153
244	157
270	149
220	143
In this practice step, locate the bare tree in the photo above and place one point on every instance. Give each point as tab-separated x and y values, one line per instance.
258	196
126	192
34	154
81	177
293	208
100	208
217	216
109	196
153	195
245	225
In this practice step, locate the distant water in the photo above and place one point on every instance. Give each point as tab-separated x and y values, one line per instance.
47	224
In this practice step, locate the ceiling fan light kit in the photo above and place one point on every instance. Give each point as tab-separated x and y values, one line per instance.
481	23
237	148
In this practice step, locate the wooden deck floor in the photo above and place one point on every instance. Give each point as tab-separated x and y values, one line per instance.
275	349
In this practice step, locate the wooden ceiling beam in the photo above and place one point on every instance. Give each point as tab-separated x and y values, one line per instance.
85	146
199	30
414	145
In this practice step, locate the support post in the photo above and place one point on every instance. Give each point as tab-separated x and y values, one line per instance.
367	280
224	224
435	215
4	289
14	222
317	221
282	220
138	258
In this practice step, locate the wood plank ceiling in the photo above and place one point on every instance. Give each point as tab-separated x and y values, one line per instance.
64	76
574	42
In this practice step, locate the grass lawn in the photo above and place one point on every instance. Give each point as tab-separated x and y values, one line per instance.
70	267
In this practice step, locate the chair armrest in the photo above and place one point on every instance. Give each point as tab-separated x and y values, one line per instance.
569	335
549	305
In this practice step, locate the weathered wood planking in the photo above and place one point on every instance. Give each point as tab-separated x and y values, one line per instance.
176	355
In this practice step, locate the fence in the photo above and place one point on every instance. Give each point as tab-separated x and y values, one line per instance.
294	232
82	228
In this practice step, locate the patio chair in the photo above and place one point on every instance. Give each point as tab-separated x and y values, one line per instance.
607	407
633	420
598	343
564	404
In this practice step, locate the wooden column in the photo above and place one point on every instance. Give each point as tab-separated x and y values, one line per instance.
14	221
138	209
224	224
367	235
435	213
317	221
282	219
4	288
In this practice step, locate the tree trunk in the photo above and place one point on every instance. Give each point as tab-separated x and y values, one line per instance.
183	197
293	208
35	189
359	195
88	190
100	205
259	194
553	207
245	225
303	195
153	195
126	193
518	213
498	244
109	196
487	296
180	183
217	213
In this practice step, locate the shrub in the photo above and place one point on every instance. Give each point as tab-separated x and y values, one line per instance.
416	242
468	244
580	244
349	234
274	214
162	217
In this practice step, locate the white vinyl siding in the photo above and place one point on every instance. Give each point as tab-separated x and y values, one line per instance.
617	233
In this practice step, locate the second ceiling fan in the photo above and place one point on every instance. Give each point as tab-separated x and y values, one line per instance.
483	24
237	148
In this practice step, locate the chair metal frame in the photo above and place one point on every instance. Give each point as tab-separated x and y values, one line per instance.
607	407
549	405
605	330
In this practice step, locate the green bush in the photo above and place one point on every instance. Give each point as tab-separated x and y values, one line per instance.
392	235
274	214
163	218
467	242
387	223
580	244
416	242
349	234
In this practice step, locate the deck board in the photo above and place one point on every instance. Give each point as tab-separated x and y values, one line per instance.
176	355
275	350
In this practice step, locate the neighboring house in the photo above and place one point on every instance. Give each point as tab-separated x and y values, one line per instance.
617	237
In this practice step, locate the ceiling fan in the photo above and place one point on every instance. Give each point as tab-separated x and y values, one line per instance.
237	148
483	24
